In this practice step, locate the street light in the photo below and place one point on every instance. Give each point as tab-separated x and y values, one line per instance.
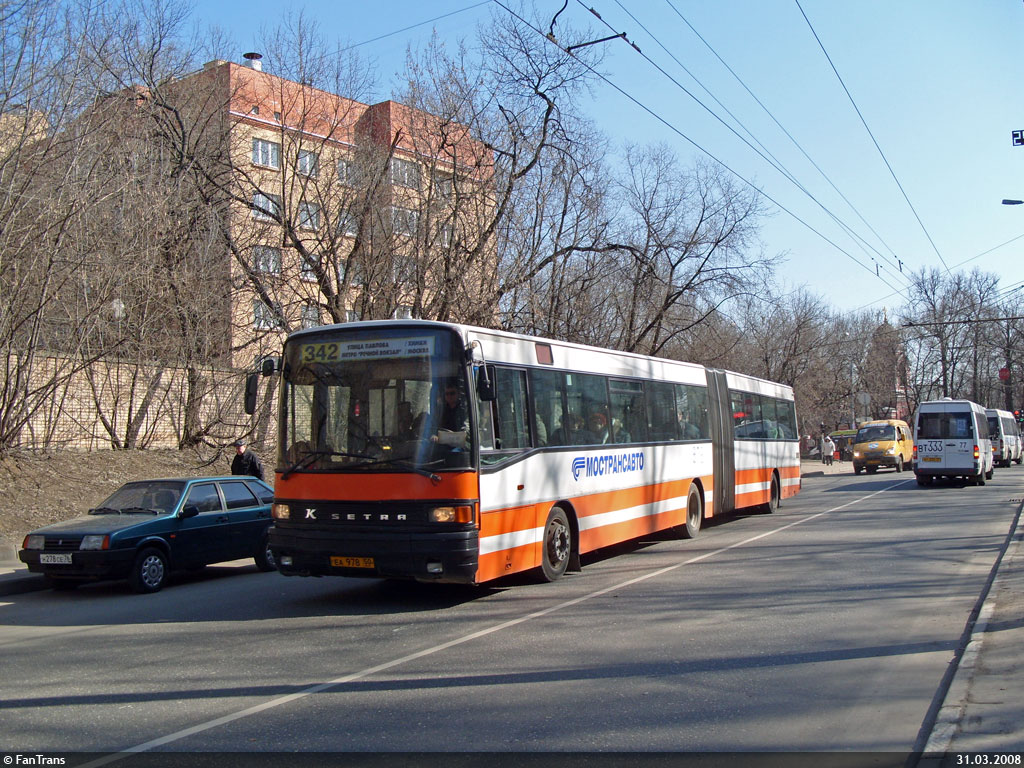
1013	202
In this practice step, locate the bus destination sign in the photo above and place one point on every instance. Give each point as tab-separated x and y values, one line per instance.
367	349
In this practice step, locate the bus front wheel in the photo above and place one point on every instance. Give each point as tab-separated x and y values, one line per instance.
557	545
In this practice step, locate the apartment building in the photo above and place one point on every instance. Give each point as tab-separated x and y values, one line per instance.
336	210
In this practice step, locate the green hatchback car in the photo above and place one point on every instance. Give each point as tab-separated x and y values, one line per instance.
146	529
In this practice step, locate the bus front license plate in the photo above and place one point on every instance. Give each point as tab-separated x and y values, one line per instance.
352	562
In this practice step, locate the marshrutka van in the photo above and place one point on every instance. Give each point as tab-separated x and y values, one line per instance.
883	443
1006	440
952	440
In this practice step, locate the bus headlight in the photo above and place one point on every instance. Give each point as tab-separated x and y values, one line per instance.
460	514
280	511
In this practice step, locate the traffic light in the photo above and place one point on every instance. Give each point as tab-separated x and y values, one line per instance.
1018	414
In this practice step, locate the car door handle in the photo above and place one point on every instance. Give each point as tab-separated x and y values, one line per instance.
223	519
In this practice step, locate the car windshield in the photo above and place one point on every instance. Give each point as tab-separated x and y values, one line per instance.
375	399
878	432
159	496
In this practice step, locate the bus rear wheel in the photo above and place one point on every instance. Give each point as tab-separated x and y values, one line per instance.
557	545
774	496
694	513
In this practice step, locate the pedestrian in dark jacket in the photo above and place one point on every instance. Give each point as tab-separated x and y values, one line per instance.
245	462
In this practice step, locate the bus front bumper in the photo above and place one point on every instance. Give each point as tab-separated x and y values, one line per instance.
447	557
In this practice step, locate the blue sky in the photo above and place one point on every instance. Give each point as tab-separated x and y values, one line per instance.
938	83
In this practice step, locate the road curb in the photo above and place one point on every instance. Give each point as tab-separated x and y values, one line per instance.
950	717
21	582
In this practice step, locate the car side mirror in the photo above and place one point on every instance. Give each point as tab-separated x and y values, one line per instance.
190	510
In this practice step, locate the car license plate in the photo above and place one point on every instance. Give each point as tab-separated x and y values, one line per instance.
352	562
61	558
931	458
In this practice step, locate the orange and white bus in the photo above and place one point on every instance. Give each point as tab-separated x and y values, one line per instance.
442	452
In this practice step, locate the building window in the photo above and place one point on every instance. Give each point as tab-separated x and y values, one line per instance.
342	271
266	207
348	225
309	163
267	259
346	172
264	318
266	153
309	216
405	173
351	316
444	187
403	312
404	221
310	315
307	270
446	233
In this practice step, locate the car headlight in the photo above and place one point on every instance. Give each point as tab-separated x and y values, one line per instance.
95	541
891	451
34	541
280	511
460	514
856	454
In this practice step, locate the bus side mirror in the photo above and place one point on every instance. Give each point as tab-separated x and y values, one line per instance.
251	388
270	366
486	386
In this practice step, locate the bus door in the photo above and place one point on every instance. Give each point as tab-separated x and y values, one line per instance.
724	461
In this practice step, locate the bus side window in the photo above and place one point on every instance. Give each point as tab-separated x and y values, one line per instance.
512	431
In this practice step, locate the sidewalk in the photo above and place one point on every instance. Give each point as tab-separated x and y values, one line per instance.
983	710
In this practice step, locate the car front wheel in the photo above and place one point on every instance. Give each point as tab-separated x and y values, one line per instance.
149	572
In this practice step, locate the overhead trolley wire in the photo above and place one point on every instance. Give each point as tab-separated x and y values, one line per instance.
872	135
782	128
878	266
682	135
861	242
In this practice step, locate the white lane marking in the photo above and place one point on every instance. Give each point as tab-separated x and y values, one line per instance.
186	732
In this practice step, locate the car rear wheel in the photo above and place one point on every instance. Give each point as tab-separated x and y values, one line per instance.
991	471
899	463
264	557
149	572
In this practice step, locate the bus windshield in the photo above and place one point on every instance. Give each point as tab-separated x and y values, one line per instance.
375	399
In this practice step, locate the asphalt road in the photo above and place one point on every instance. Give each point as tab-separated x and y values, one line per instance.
829	625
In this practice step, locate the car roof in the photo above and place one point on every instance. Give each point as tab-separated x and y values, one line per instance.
197	479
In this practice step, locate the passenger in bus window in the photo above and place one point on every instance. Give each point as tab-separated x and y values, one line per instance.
406	421
597	423
688	429
572	431
619	434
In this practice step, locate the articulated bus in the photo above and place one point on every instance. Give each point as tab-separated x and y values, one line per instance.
441	452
